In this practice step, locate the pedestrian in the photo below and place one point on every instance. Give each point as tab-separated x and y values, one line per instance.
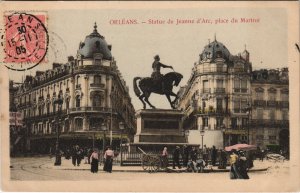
223	163
234	173
213	155
108	156
242	166
185	155
94	160
262	155
79	155
164	158
205	154
176	154
74	155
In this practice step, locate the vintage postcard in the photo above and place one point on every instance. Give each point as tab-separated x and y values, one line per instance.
149	96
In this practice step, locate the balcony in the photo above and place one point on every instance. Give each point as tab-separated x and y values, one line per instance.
236	131
269	123
84	109
271	103
240	90
97	85
206	90
219	90
207	111
284	104
259	103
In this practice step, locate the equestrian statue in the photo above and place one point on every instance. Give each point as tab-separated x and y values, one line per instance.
157	83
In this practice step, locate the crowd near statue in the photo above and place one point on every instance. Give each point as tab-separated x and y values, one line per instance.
157	83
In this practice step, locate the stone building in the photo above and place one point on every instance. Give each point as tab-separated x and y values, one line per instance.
270	108
75	101
223	94
216	97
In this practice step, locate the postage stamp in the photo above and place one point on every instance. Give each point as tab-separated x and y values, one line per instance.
26	40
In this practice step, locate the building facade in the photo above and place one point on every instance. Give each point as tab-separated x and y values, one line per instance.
270	108
82	101
218	99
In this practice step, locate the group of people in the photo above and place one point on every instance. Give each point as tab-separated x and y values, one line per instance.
196	159
91	156
108	160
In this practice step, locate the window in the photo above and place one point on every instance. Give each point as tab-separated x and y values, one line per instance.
236	83
219	104
96	100
244	85
205	122
236	106
219	122
97	79
259	95
259	137
244	122
234	122
77	101
78	124
260	113
285	115
284	97
67	103
244	105
205	86
272	96
219	83
272	114
54	108
219	67
272	137
48	108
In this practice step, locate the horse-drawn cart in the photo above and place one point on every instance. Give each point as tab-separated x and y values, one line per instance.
152	162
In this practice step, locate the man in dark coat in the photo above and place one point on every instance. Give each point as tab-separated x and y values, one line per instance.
185	155
213	155
176	154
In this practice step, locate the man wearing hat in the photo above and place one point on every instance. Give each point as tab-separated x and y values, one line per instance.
176	154
156	75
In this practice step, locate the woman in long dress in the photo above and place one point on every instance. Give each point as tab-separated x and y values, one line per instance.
94	160
108	156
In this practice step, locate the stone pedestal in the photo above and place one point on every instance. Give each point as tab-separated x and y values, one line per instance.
159	126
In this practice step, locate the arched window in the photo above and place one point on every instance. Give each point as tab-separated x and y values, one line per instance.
96	100
77	101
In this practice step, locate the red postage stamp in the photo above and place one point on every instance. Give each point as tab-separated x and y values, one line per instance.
26	40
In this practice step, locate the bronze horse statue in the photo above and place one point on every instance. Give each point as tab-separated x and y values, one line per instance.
164	86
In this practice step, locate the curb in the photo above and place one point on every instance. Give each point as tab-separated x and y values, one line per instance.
168	171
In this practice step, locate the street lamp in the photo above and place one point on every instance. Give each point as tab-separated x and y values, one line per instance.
223	129
121	127
248	110
202	134
59	102
104	128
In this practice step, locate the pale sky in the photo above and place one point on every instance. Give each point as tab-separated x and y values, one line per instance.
133	46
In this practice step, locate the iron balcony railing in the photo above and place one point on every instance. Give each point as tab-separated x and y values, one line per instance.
259	103
219	90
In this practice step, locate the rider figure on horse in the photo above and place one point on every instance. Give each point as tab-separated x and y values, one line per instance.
156	75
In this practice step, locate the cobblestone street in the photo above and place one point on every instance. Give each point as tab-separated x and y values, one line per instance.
42	169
